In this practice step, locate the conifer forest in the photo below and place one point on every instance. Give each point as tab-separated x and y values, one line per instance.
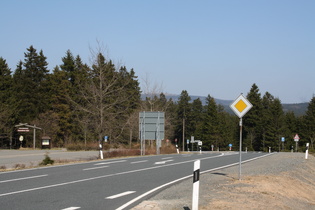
79	103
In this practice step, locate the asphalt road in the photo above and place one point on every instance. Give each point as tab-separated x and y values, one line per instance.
107	184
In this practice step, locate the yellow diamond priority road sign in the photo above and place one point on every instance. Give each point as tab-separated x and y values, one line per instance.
241	106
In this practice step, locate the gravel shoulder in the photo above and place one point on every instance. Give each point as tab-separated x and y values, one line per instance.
278	181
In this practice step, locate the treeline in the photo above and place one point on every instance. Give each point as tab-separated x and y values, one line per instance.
264	126
77	103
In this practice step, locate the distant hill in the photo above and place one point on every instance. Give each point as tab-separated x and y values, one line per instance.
298	108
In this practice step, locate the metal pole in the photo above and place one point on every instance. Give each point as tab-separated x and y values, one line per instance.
34	134
183	134
240	164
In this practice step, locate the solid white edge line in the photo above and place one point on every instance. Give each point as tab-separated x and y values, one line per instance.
180	179
120	195
30	177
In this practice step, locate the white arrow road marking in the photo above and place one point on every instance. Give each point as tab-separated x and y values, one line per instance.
110	162
162	162
141	161
72	208
87	169
120	195
30	177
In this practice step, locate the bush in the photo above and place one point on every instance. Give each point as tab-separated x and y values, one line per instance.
47	161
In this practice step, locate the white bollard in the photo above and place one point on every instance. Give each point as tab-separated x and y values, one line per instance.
196	175
177	149
306	152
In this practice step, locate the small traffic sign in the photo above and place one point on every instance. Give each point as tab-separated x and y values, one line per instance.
282	139
296	137
241	106
230	145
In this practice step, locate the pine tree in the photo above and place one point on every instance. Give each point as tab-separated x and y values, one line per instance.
60	88
197	118
210	124
228	126
272	122
30	91
309	122
183	117
252	120
291	128
5	96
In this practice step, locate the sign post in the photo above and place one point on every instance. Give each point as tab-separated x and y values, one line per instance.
296	139
240	107
26	129
282	140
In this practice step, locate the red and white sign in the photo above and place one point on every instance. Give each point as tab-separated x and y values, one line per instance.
296	137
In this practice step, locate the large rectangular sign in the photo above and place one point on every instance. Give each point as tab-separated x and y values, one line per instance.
151	125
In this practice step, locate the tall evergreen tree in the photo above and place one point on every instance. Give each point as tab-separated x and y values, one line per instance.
252	120
30	94
227	128
60	88
210	126
183	117
272	122
309	122
197	118
290	122
5	95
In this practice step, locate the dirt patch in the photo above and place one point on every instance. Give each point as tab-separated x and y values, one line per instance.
283	191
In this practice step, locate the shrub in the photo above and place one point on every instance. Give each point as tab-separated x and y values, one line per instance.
47	161
18	165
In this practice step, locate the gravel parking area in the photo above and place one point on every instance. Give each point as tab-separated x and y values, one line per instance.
13	159
278	181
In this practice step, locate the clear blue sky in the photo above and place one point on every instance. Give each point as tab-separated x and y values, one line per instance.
215	47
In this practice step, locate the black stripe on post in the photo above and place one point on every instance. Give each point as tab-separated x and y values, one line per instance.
196	176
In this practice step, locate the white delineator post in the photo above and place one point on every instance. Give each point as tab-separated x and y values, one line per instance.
196	175
101	151
177	149
306	152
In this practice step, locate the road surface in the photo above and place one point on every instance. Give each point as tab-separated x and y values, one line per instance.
107	184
